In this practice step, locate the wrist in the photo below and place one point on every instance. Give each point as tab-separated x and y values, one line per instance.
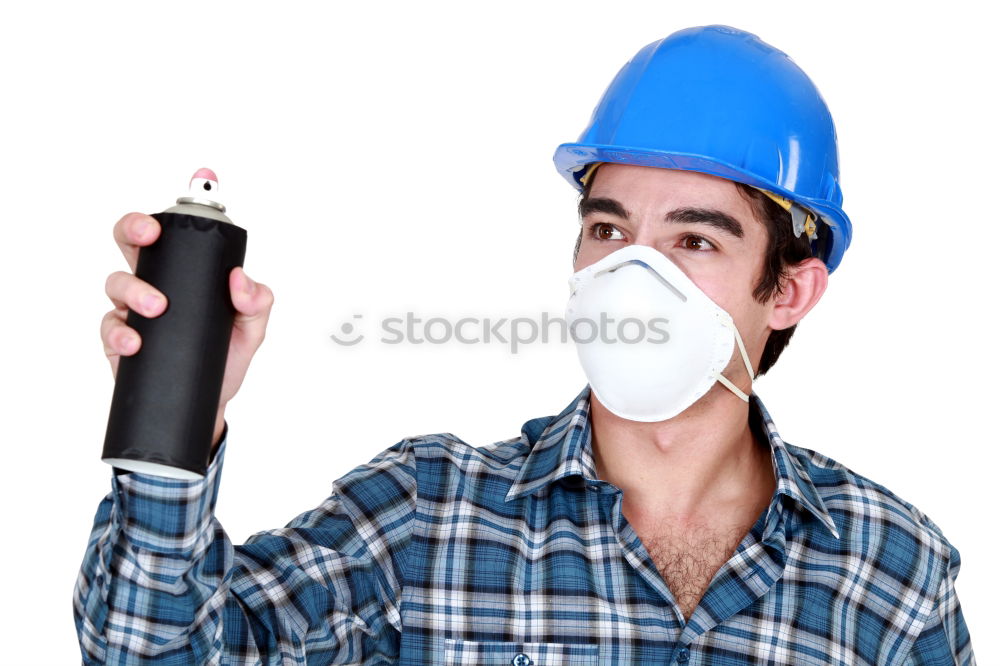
220	426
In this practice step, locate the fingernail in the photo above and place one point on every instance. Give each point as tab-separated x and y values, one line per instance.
249	286
140	227
151	302
131	343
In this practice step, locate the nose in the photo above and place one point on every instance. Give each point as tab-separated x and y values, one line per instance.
646	232
648	239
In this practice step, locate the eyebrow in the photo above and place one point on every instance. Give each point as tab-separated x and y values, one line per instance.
710	216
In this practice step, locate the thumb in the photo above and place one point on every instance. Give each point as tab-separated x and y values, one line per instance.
251	299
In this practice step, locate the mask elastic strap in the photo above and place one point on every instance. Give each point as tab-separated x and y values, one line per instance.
746	361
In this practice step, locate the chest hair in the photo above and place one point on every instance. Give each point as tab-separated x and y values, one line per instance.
688	558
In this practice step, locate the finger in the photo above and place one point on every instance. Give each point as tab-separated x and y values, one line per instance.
127	291
132	231
117	336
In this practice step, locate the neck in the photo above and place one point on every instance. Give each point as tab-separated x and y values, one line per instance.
688	468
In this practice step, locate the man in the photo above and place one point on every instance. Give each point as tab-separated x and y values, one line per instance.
659	518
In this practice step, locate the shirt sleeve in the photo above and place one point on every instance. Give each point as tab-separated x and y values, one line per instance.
945	637
162	583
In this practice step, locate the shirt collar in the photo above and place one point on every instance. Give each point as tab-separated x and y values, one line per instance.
792	478
561	447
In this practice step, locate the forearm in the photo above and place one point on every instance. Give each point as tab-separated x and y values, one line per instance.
160	575
155	574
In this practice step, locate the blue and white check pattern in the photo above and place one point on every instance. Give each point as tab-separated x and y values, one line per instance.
437	552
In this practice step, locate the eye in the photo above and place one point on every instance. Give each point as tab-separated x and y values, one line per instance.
605	232
697	243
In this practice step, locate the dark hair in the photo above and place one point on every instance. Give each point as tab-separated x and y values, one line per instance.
783	250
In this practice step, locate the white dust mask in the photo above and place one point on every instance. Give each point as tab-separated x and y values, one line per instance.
650	341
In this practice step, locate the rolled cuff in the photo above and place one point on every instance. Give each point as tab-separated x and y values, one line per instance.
168	516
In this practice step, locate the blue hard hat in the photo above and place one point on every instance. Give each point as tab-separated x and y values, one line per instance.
720	101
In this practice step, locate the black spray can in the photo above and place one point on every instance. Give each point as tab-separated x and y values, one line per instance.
167	394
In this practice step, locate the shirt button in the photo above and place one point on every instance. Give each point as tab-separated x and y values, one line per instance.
522	660
682	655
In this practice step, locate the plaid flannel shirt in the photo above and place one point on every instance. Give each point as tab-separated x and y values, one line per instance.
438	552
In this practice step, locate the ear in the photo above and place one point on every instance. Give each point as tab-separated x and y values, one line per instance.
802	289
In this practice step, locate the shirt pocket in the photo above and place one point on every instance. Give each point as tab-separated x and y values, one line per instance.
500	653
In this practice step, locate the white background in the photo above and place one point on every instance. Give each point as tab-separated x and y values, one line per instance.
394	156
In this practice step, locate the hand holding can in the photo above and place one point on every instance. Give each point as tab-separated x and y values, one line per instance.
181	335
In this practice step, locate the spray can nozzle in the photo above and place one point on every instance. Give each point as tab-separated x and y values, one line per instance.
203	189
